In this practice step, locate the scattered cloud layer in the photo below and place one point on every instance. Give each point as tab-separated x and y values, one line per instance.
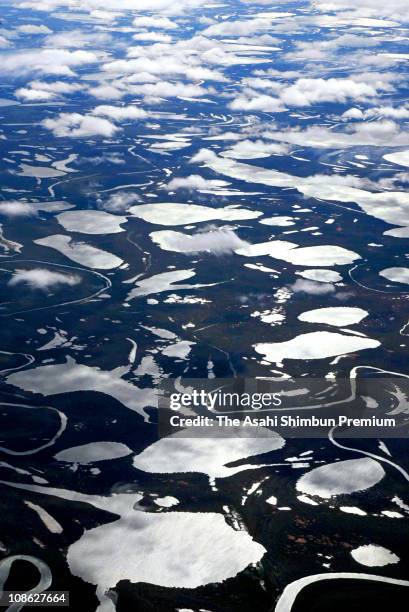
217	241
119	201
311	287
60	62
75	125
41	278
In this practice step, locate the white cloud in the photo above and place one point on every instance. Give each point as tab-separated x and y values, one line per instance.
266	84
264	1
103	8
166	89
46	61
163	62
255	149
396	9
41	90
17	208
110	158
40	278
120	113
189	58
306	92
390	112
118	202
311	287
217	241
353	113
4	42
329	49
138	77
105	15
107	92
14	208
378	134
77	39
56	86
261	39
350	41
203	155
162	23
192	182
243	27
225	54
75	125
34	95
153	37
250	100
30	28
